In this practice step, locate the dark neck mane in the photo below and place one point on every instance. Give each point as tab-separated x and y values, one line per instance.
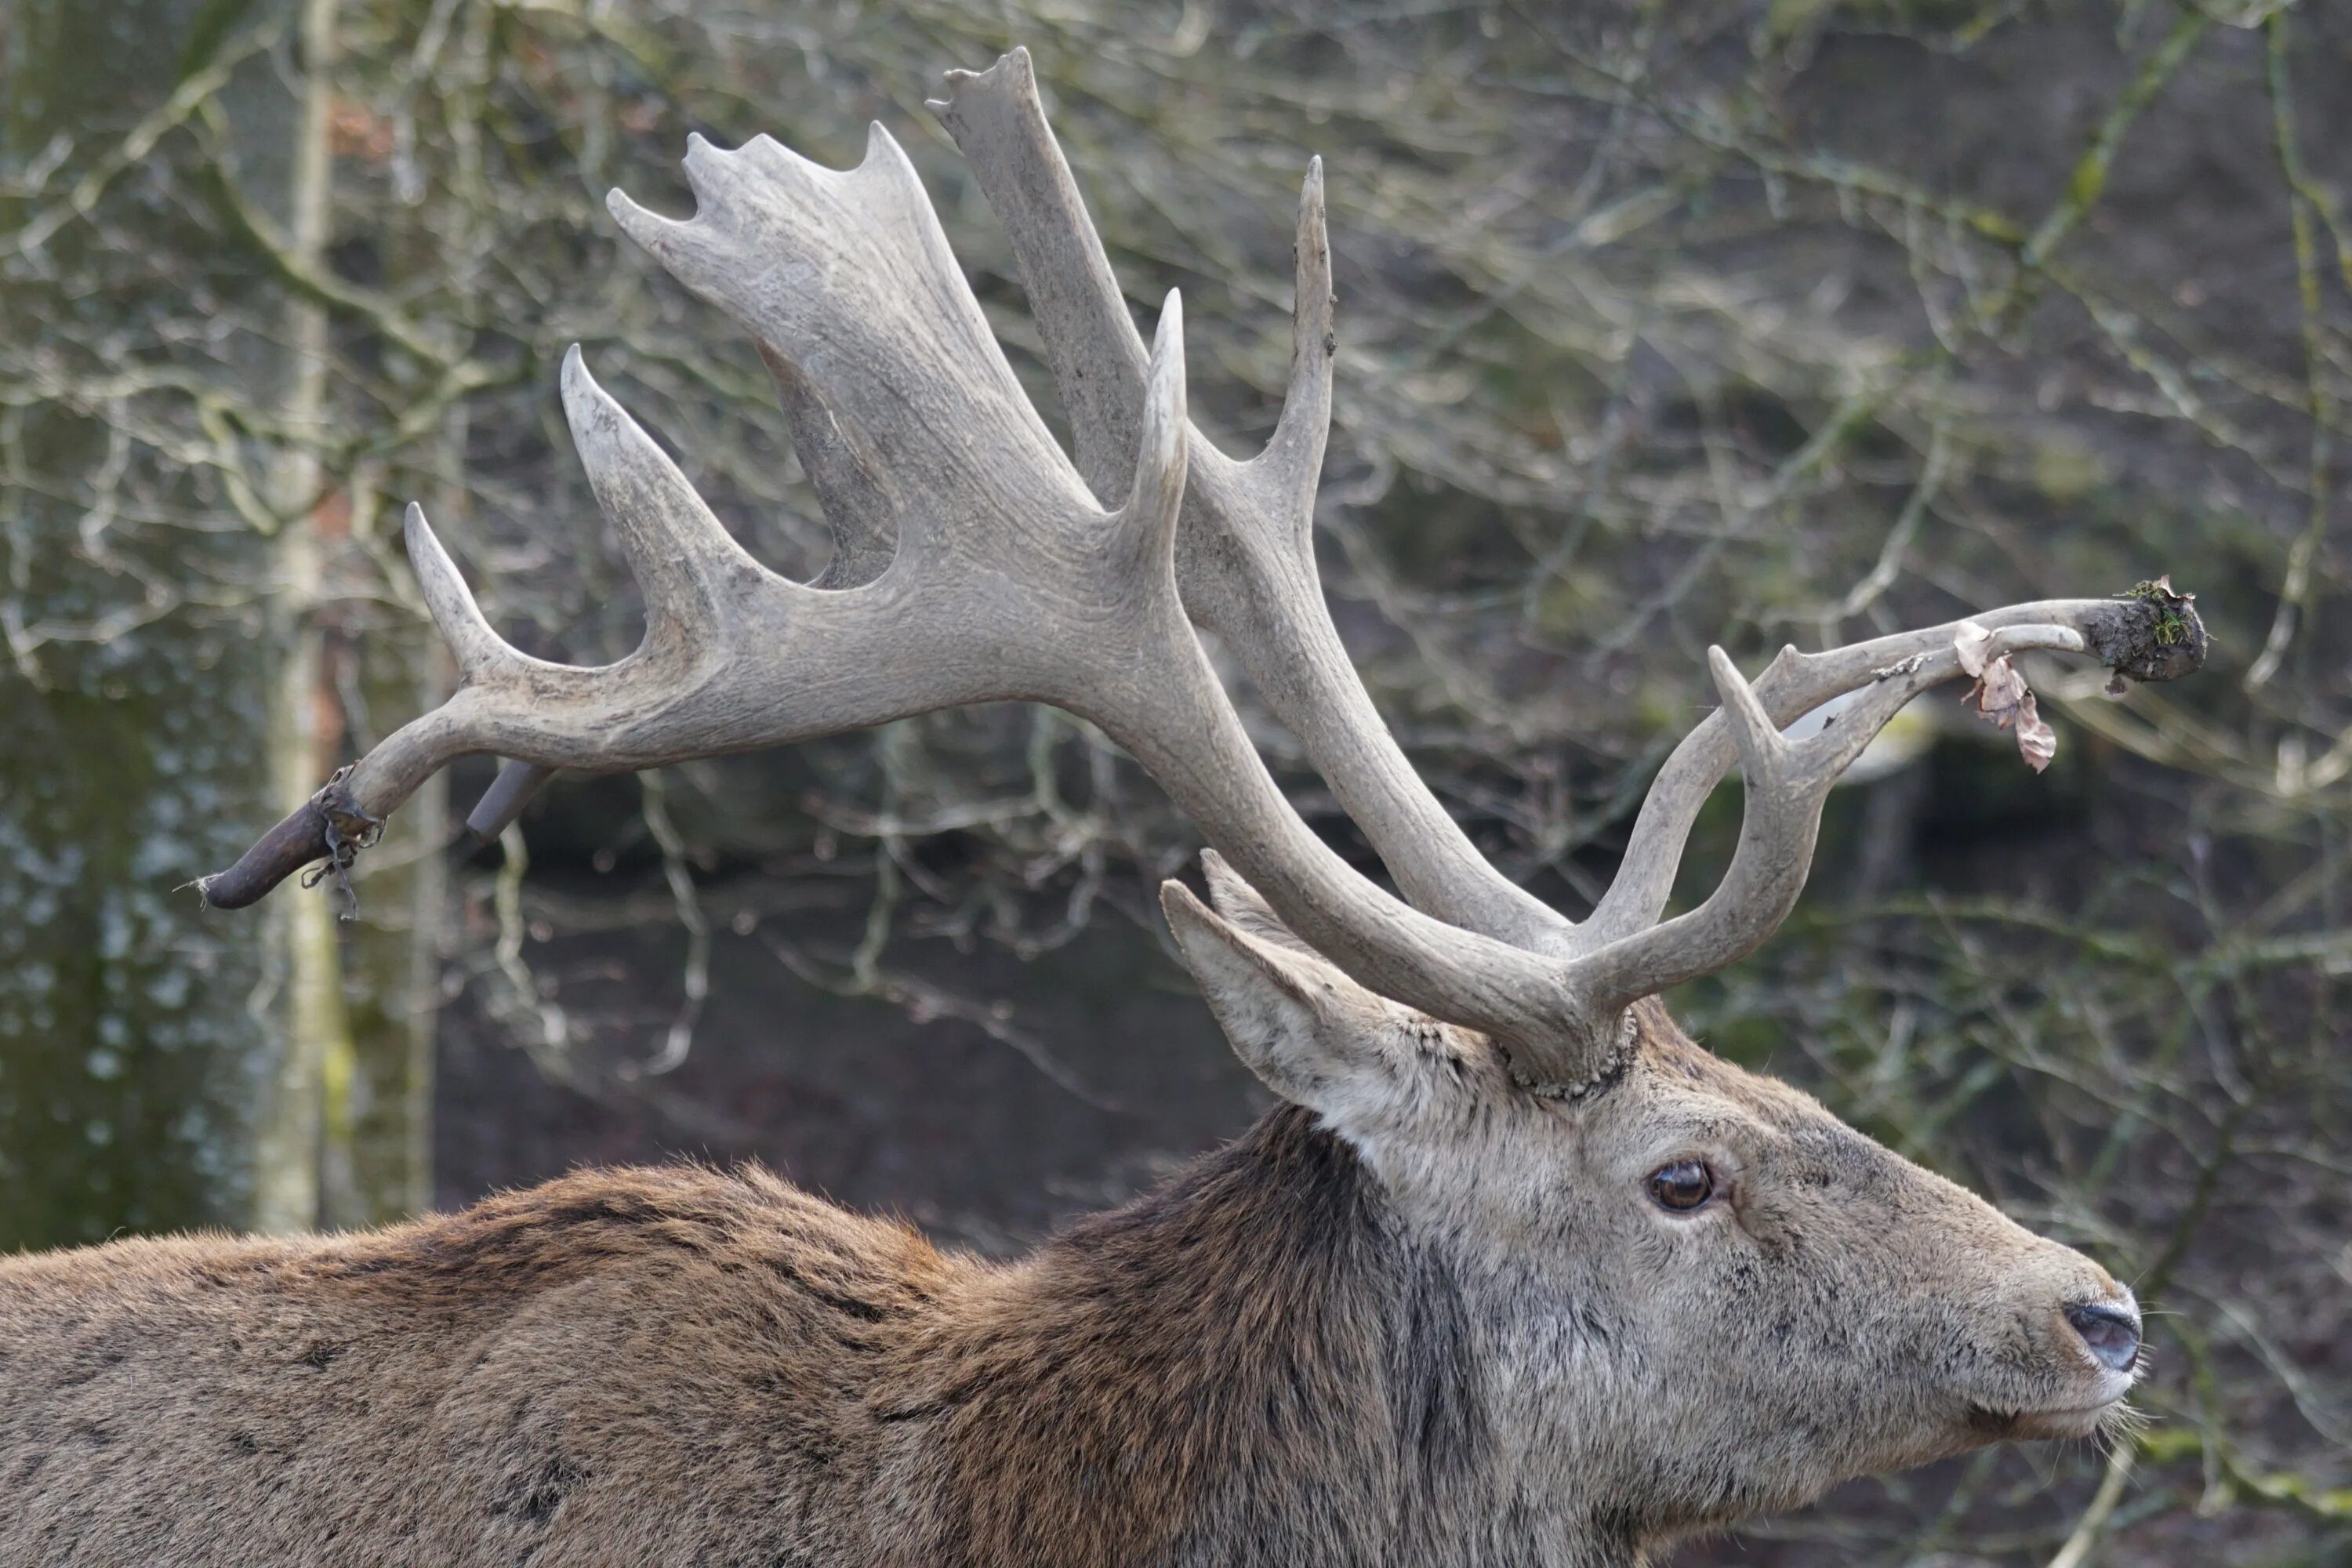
1246	1366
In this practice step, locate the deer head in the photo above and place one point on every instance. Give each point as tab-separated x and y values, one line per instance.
1695	1293
1698	1295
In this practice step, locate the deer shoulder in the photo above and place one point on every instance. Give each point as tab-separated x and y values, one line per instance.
635	1348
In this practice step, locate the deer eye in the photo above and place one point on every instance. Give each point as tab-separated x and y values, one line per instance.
1682	1186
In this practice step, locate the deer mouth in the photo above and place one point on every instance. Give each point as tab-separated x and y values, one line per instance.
1997	1423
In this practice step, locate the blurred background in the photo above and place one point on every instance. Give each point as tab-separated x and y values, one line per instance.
1660	324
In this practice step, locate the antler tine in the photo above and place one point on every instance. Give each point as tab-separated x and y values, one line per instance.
1763	749
1292	459
678	551
503	802
1632	953
1156	499
2115	631
1244	552
544	716
680	555
1090	341
683	557
478	650
1787	784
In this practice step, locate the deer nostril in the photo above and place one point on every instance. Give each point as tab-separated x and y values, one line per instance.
2111	1333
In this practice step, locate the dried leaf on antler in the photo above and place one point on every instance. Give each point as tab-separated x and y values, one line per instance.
2001	697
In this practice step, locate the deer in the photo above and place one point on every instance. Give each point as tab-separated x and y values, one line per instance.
1516	1272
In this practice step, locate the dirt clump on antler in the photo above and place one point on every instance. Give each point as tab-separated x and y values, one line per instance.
2154	632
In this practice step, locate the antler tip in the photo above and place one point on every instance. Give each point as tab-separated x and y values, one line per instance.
650	230
428	556
501	803
301	838
706	167
1759	739
1012	71
1163	416
580	389
451	604
1157	495
1314	248
597	422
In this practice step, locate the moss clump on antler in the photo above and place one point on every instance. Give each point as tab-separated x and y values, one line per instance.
2156	633
2175	622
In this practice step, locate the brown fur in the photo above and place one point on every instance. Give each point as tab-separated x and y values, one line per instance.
675	1365
626	1366
1430	1320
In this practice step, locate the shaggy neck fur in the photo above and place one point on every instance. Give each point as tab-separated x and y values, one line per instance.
1249	1366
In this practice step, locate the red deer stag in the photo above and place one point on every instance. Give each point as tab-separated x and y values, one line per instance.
1518	1274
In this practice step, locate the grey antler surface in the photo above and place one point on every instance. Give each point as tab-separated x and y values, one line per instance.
1244	550
975	562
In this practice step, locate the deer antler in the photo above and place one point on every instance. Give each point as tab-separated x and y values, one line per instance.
1244	548
975	565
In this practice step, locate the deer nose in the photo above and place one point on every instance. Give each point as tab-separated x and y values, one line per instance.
2110	1333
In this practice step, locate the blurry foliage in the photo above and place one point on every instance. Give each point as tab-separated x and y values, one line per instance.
132	708
1661	325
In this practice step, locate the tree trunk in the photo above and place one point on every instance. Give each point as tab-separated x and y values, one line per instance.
305	1146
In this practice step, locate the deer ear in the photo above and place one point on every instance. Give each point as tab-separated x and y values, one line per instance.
1310	1033
1243	909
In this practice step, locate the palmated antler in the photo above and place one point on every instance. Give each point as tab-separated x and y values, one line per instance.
1244	550
974	563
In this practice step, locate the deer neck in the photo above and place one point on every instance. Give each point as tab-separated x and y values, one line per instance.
1250	1366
